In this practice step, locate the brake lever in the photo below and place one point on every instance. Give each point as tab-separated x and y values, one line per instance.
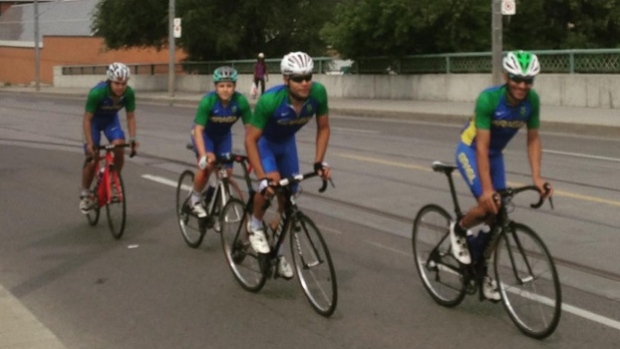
324	186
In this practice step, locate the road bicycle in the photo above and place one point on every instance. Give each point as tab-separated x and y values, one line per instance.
109	191
523	267
311	258
213	199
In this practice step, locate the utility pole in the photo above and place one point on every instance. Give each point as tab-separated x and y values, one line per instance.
171	48
496	39
37	59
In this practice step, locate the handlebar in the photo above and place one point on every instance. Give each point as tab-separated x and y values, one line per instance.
511	192
110	147
300	177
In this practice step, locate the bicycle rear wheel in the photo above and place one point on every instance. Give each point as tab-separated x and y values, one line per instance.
528	280
116	204
313	264
241	258
441	273
192	229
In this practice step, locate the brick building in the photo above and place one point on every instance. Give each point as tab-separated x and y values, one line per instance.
65	39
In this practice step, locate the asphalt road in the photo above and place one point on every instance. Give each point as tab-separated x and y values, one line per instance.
149	290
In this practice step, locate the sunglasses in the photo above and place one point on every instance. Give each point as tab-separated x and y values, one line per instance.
300	78
518	79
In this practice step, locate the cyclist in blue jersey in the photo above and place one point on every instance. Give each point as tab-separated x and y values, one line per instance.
499	113
270	138
101	115
211	134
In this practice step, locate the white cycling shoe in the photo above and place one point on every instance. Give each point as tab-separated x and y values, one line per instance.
258	240
284	269
459	246
489	289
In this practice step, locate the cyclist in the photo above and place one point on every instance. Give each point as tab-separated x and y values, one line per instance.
101	115
211	134
499	113
270	138
260	73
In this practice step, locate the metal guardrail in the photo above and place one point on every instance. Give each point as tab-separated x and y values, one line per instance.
603	61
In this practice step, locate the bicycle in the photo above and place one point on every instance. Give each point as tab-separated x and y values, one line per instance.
214	199
109	191
523	267
311	258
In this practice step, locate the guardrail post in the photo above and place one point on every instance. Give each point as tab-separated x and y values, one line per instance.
447	64
571	60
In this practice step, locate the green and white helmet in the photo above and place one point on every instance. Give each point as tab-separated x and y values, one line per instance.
521	63
225	74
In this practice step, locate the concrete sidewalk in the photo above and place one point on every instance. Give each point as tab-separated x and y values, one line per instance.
593	121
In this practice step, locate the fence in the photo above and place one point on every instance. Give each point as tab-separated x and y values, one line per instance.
604	61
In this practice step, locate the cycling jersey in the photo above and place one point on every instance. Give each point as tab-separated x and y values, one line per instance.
105	112
217	119
100	103
495	114
276	117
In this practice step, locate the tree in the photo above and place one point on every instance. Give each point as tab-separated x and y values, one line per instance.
217	29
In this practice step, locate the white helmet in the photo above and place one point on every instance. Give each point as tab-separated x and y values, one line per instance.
521	63
261	55
118	71
298	63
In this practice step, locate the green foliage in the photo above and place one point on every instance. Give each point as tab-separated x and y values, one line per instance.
131	23
217	29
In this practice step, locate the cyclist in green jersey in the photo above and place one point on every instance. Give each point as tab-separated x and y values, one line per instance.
500	112
103	103
211	134
270	137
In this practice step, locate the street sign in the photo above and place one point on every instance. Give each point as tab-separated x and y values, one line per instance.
509	7
176	27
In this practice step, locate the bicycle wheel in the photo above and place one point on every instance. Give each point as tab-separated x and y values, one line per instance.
93	215
313	264
241	258
441	273
116	204
234	189
528	280
192	229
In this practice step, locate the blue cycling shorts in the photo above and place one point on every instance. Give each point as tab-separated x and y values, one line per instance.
111	128
218	145
279	157
468	166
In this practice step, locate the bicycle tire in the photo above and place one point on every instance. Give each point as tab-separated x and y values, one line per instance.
116	204
240	257
93	214
192	230
313	265
528	281
440	272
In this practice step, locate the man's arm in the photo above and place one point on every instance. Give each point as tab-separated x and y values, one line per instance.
88	135
534	152
323	132
131	124
252	135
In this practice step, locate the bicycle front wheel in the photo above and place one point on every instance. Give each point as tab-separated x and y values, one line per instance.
93	214
116	204
528	280
441	273
241	258
191	228
313	264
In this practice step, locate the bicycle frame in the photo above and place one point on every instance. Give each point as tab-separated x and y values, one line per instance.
103	191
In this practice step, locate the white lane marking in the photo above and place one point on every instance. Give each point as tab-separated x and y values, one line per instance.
356	130
334	231
541	299
162	180
579	155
